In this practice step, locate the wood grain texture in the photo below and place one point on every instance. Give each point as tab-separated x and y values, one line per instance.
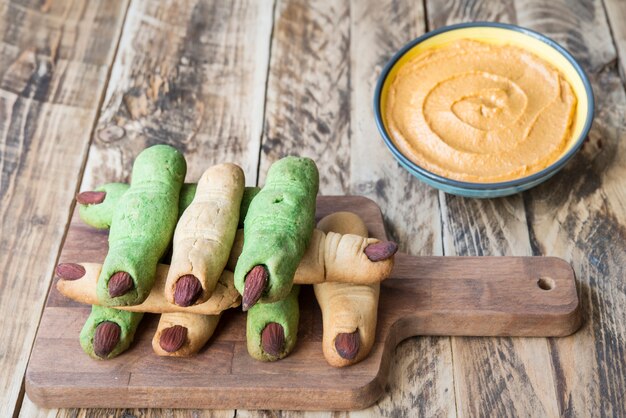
496	377
579	25
448	12
190	74
308	100
51	81
580	215
479	296
421	380
503	376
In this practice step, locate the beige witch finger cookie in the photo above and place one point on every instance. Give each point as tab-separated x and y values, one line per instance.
182	334
204	236
349	311
79	280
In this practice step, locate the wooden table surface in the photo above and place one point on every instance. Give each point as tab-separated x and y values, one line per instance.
86	84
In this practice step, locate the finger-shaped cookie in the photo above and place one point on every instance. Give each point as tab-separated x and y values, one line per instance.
334	257
79	281
204	235
182	334
277	230
96	207
142	226
349	311
272	328
108	332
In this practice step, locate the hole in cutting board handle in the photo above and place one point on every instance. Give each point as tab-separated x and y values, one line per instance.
546	283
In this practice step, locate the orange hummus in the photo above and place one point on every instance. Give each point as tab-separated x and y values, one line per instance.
479	112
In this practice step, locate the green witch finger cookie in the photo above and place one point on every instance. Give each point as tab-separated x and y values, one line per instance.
96	207
272	328
108	332
277	230
142	226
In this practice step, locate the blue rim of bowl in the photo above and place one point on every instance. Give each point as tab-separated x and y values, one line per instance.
483	186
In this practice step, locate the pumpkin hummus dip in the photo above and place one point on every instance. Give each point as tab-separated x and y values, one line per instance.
479	112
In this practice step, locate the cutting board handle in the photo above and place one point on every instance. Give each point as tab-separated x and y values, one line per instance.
480	296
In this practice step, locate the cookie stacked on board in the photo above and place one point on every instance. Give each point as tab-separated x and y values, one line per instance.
277	250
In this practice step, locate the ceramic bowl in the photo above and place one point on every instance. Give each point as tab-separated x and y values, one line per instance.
500	34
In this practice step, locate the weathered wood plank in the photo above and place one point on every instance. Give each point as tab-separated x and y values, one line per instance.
325	60
496	377
191	74
580	215
54	61
505	376
421	377
616	14
308	99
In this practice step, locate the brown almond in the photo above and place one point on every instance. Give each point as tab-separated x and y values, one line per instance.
90	198
188	290
253	287
380	251
347	344
70	271
120	283
273	339
105	338
173	338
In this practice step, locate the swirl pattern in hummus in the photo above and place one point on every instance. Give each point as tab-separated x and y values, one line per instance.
479	112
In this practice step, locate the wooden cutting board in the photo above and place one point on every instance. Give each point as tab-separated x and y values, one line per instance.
469	296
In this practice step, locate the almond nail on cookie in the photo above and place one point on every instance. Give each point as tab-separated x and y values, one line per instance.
99	212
